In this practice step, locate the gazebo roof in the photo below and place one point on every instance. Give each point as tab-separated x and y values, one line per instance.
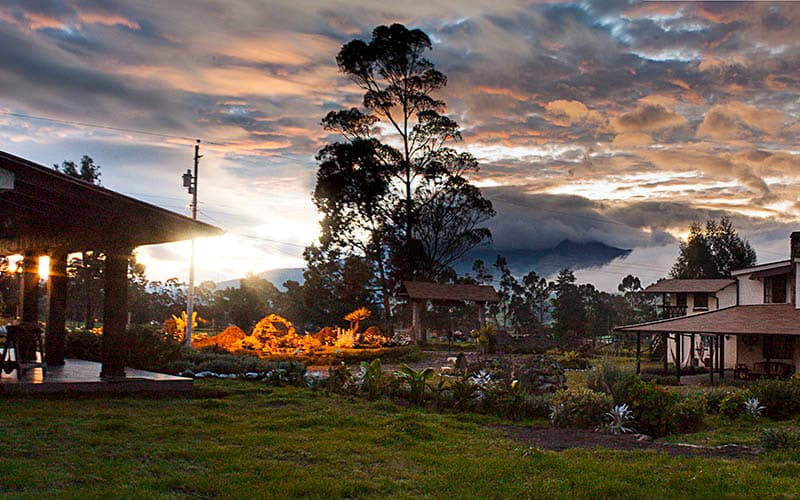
422	290
48	209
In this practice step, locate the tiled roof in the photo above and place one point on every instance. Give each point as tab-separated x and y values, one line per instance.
761	319
422	290
689	286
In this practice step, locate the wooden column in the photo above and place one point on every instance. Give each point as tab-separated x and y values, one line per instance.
481	314
115	313
678	349
416	322
638	353
665	341
57	312
692	353
29	289
721	357
711	350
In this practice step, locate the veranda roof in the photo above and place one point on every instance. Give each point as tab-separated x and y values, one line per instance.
760	319
689	286
46	209
422	290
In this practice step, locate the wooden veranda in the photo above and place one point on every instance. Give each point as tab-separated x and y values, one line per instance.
44	212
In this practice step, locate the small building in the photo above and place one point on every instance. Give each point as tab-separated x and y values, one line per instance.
420	293
758	334
44	212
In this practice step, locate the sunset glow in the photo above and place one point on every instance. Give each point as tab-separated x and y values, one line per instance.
592	121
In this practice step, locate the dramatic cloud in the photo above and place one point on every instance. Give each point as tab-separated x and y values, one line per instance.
617	122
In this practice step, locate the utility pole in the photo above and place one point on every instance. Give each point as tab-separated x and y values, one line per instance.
190	182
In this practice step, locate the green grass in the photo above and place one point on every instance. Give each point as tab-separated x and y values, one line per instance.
245	440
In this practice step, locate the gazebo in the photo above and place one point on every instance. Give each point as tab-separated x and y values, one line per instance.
418	293
44	212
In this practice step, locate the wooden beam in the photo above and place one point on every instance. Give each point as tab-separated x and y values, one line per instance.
721	357
638	353
115	313
57	313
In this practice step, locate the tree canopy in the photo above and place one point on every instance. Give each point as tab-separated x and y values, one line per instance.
390	188
712	250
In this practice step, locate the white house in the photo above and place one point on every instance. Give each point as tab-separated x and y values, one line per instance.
750	325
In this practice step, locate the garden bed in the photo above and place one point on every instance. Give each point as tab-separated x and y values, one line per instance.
555	439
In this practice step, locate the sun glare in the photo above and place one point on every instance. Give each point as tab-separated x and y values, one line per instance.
44	267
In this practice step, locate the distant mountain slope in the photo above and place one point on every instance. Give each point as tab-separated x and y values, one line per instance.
275	276
547	261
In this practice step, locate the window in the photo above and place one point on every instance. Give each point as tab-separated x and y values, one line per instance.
700	301
775	289
680	300
778	346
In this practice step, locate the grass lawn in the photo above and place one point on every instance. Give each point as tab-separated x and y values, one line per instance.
246	440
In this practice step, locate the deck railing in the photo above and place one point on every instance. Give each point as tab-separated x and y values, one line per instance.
669	312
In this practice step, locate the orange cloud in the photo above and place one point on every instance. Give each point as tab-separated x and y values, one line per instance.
648	118
737	120
107	20
565	113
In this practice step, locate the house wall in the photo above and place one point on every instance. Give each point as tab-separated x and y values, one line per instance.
727	296
749	355
730	351
750	291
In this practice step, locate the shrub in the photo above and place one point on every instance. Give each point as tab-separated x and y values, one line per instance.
574	360
372	378
732	405
688	414
579	408
661	379
652	406
781	439
781	398
714	398
610	379
151	347
206	360
83	345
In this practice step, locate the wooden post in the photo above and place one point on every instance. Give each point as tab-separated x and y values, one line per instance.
416	322
711	361
665	341
692	353
721	357
29	291
638	353
481	314
678	349
115	312
57	313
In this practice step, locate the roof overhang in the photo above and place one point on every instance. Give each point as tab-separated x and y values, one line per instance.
689	285
445	293
761	267
49	210
760	319
775	271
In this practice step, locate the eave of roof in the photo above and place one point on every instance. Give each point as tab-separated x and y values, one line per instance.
760	267
422	290
47	209
689	286
760	319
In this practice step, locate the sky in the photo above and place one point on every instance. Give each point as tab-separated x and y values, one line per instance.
611	121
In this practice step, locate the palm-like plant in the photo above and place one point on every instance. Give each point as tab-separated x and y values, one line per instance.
417	381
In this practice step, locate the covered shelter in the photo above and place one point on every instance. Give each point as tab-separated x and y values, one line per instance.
44	212
759	322
419	293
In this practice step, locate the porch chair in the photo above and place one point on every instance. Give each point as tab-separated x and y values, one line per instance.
25	339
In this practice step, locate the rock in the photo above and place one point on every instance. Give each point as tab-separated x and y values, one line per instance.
204	374
643	437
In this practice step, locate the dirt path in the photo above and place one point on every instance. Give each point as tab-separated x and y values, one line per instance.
555	439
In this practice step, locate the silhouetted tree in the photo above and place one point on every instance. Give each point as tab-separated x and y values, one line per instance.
391	191
712	251
569	310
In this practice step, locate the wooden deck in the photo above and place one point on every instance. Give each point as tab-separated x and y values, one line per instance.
84	376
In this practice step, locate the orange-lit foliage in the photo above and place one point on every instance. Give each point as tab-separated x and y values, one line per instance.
225	340
275	334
